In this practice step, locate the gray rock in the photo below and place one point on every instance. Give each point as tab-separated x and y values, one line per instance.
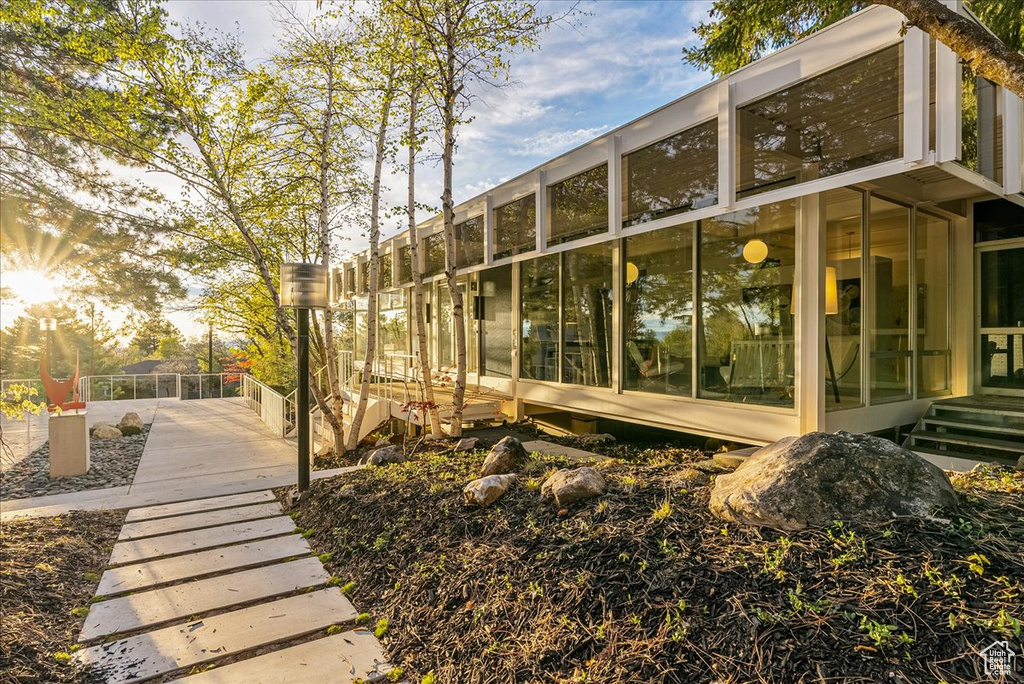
130	419
569	485
384	456
729	460
590	438
381	442
106	432
688	477
710	466
1020	462
821	477
506	456
465	444
486	490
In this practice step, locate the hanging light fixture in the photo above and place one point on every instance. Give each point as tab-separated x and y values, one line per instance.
632	272
755	251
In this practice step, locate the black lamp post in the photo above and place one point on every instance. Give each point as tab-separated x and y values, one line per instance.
303	287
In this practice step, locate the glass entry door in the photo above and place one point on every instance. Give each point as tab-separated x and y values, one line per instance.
1000	317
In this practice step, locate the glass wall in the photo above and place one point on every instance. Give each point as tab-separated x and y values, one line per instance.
538	282
404	265
394	324
677	174
747	269
515	227
578	206
469	242
932	273
658	314
496	322
981	123
889	270
445	328
844	228
845	119
385	277
587	319
433	255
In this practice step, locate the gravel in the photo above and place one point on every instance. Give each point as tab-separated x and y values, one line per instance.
112	464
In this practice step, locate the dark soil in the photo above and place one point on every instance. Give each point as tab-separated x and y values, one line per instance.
643	585
48	568
112	463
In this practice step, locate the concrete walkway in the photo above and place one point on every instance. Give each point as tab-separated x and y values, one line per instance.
196	449
223	591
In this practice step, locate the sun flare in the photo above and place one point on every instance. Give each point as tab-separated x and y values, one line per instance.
30	287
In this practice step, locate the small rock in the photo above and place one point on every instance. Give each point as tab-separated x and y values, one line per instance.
465	444
591	439
729	460
1020	462
710	466
569	485
384	456
381	442
689	477
486	490
505	457
106	432
130	419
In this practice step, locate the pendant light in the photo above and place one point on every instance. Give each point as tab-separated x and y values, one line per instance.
755	251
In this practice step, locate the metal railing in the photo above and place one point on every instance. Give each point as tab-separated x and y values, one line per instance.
269	404
27	382
158	386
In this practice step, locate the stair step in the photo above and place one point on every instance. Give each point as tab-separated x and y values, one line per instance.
1001	410
942	452
1016	446
979	427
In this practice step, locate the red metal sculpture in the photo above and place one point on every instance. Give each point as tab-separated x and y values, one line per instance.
57	390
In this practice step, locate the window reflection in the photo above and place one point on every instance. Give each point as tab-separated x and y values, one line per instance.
843	355
587	307
538	280
515	227
890	287
578	206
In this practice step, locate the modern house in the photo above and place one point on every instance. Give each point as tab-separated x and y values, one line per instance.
829	238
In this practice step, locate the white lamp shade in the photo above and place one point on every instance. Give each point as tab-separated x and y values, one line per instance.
48	324
831	291
755	251
304	286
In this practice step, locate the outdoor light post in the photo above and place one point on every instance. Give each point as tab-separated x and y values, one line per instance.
48	325
303	287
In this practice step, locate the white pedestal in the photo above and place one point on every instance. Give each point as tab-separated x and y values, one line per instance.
69	445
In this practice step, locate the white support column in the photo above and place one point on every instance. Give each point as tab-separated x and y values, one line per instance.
915	95
947	103
810	323
517	328
618	302
489	230
615	184
726	146
542	206
1013	155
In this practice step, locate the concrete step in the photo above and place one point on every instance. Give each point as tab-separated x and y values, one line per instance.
142	575
1013	446
183	542
153	654
159	606
195	521
975	426
339	659
196	506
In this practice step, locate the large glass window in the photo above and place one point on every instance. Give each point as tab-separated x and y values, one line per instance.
846	119
496	321
658	314
578	206
587	316
385	277
747	270
932	305
671	176
404	265
469	242
844	210
981	123
394	324
890	295
433	255
538	280
445	327
515	227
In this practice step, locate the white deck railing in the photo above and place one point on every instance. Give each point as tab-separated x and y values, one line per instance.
269	404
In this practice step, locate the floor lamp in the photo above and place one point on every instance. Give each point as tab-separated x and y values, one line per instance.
831	308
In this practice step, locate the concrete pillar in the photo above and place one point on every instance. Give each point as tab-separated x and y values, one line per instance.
69	445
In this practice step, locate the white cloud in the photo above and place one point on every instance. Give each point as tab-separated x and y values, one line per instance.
553	143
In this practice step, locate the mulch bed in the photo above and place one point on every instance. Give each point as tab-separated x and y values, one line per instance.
112	463
644	585
48	568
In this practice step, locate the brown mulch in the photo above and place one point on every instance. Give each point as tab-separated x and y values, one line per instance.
643	585
48	568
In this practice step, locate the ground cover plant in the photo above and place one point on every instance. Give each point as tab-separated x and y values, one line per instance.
49	570
643	585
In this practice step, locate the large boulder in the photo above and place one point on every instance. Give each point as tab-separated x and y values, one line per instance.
821	477
384	456
506	456
487	490
106	432
569	485
130	419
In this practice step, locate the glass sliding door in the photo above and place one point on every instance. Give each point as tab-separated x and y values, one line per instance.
495	319
587	316
844	228
1001	312
932	271
889	270
538	286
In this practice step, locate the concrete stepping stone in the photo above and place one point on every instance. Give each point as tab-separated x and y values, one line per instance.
142	575
182	542
195	521
338	659
150	655
159	606
195	506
